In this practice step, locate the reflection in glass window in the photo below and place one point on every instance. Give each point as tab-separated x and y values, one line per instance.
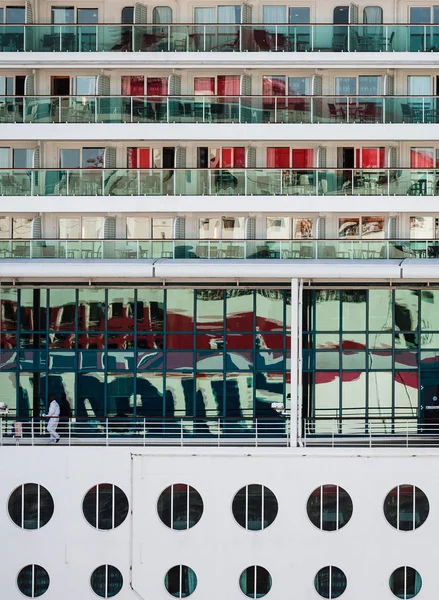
364	227
15	14
424	227
93	158
138	228
405	582
180	581
33	581
330	582
278	228
406	507
255	582
329	507
63	14
255	507
30	506
106	581
87	15
299	14
180	506
302	228
105	506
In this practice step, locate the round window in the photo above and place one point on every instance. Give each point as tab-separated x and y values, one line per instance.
255	507
33	581
106	581
105	506
329	507
330	582
255	582
406	507
30	506
405	582
180	581
180	506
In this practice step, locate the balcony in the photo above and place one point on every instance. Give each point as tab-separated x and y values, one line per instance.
219	109
219	182
129	249
219	38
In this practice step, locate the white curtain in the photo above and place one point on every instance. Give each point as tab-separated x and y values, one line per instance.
162	14
419	85
229	14
373	15
5	158
205	15
275	14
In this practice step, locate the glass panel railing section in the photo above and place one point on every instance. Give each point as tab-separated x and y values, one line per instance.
371	247
219	182
12	38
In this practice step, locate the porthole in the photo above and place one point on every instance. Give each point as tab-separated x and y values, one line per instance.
105	506
406	507
180	581
255	582
330	582
106	581
329	507
180	506
405	582
30	506
33	581
255	507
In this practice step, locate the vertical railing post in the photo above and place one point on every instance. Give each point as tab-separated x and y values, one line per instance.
106	432
70	432
144	431
167	109
181	433
333	434
132	109
275	109
256	433
1	430
387	37
32	432
407	434
219	433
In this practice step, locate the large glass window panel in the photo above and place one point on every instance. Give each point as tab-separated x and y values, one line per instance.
63	14
204	14
274	14
406	318
239	395
278	158
327	310
15	14
93	227
269	310
354	310
120	395
380	310
87	15
302	158
162	229
372	15
209	228
157	86
372	227
162	14
69	228
233	228
420	14
299	14
33	309
180	310
269	388
90	394
93	158
5	158
62	311
278	228
303	229
8	383
422	158
92	309
429	310
5	228
149	392
210	310
86	86
422	227
23	158
138	228
419	85
133	85
22	228
150	310
370	85
229	14
274	85
326	395
298	86
120	310
70	158
346	86
180	388
239	310
406	394
204	86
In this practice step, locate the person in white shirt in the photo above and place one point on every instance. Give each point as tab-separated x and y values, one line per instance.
53	415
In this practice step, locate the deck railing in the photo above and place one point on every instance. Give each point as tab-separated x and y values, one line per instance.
219	38
219	109
148	431
219	182
129	249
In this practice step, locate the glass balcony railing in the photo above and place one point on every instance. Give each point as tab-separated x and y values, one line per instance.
219	109
218	249
219	38
219	182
